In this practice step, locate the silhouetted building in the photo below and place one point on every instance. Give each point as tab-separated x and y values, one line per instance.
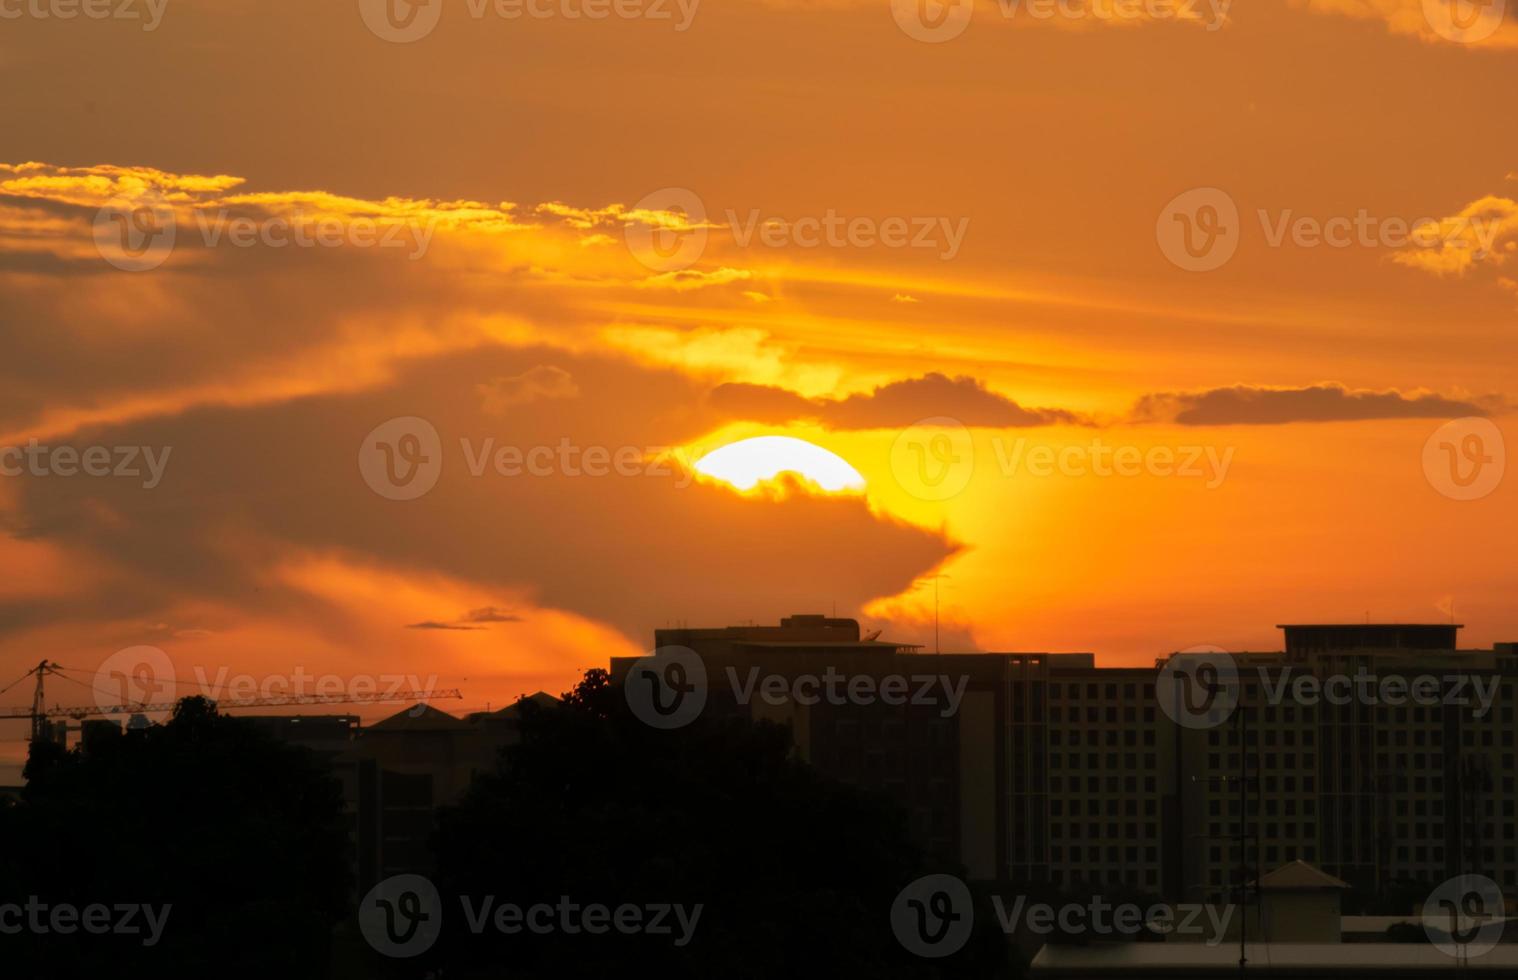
1050	768
398	771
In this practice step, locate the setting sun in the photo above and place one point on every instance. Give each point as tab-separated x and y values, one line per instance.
747	462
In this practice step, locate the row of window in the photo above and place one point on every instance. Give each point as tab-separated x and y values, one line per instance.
1075	854
1269	760
1108	737
1096	784
1096	808
1097	761
1093	715
1273	808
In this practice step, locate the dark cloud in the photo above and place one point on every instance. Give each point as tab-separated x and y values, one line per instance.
490	614
893	405
1247	405
250	487
485	614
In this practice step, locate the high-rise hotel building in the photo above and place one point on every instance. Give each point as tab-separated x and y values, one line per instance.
1380	753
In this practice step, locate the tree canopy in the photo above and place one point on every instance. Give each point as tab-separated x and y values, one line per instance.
793	870
240	836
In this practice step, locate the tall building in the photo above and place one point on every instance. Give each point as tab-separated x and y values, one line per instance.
1045	767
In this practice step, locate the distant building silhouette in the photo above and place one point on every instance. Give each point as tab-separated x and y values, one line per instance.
1053	769
398	771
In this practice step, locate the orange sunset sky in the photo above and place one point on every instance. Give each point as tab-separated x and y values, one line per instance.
515	165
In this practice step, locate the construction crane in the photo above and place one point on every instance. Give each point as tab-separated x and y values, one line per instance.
40	714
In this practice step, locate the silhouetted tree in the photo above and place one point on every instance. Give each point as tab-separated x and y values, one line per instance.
240	834
796	872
